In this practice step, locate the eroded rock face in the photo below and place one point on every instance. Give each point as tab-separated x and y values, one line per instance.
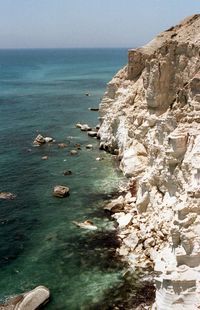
151	114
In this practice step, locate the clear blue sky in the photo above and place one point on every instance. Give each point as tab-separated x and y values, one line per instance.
88	23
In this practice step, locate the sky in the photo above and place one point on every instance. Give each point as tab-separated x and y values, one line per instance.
88	23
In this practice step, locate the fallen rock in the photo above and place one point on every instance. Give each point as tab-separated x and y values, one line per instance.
78	125
125	220
131	241
115	205
61	191
28	301
7	196
123	251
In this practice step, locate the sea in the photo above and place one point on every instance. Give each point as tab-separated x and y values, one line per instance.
43	91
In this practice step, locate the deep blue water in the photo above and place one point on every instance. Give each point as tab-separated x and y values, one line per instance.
43	91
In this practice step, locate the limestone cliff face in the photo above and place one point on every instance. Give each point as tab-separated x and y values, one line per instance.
151	115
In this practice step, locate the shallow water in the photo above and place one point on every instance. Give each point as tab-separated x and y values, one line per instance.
43	91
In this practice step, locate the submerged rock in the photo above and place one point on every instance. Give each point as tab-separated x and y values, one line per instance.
73	152
67	172
89	146
85	225
31	300
78	146
62	145
61	191
99	158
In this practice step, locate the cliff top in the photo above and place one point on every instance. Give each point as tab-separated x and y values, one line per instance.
188	31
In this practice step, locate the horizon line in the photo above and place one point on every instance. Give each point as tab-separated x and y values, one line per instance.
37	48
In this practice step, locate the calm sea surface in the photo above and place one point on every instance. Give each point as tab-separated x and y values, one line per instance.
43	91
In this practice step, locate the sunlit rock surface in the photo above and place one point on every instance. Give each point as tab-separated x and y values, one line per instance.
151	114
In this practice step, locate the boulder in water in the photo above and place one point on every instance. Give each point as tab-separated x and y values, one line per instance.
48	139
7	196
28	301
79	125
61	191
92	133
85	127
94	109
44	157
39	140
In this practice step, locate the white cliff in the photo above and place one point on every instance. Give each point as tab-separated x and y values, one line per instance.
150	115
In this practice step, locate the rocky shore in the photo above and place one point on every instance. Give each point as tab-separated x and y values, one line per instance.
150	117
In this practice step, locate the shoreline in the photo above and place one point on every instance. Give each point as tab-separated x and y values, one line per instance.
130	291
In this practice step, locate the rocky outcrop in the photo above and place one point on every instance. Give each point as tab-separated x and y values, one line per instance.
28	301
151	115
40	140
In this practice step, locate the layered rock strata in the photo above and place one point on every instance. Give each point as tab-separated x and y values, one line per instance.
150	115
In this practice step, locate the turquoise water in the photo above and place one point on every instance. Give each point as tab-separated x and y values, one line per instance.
43	91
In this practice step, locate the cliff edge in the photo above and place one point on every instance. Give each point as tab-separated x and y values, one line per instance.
150	116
